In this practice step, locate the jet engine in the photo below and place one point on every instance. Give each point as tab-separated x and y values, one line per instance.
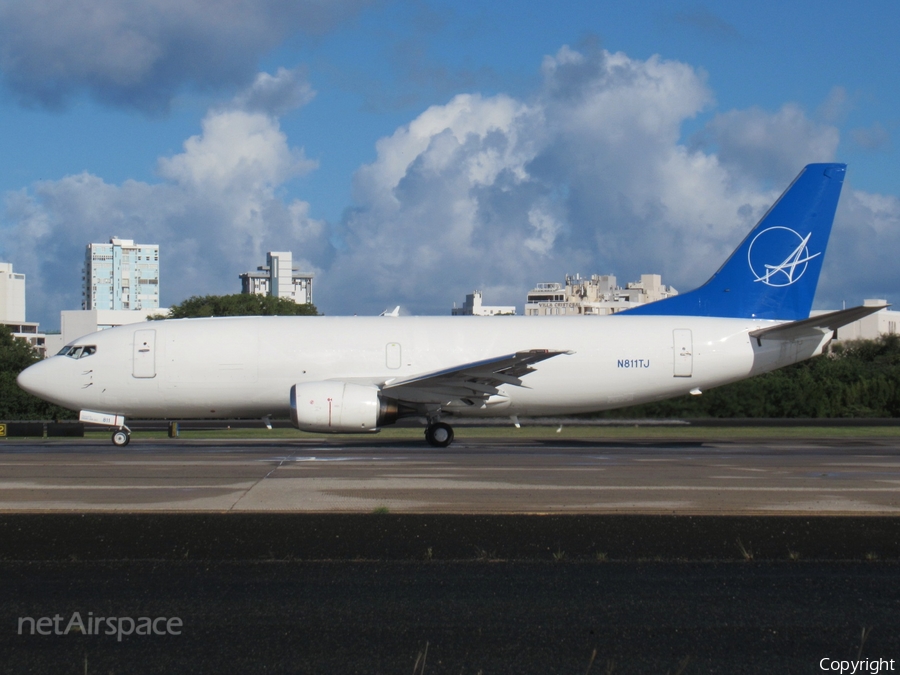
340	407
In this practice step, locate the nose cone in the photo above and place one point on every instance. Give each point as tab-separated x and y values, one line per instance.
36	379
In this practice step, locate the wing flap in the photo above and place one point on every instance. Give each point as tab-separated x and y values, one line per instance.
478	380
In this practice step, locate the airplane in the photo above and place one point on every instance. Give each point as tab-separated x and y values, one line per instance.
359	374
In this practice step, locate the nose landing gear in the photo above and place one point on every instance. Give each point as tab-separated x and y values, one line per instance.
439	434
121	437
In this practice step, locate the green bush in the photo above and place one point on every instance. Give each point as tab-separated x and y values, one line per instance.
15	356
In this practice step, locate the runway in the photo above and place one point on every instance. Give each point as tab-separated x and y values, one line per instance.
857	476
526	556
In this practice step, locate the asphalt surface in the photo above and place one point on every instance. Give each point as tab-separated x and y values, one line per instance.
495	557
721	476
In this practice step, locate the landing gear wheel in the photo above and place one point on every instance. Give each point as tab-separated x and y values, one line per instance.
439	435
121	438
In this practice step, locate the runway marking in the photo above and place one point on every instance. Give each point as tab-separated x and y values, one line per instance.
39	486
892	465
324	484
327	459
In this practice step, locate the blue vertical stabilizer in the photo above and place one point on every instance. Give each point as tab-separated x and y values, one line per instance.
774	272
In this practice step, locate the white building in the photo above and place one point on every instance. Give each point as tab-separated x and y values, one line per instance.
121	275
79	322
596	296
12	308
12	295
473	307
869	327
279	278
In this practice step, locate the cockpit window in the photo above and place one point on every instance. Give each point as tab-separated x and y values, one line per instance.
77	351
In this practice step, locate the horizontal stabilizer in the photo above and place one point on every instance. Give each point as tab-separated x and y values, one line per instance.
816	325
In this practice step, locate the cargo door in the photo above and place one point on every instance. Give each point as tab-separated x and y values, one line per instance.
144	364
684	352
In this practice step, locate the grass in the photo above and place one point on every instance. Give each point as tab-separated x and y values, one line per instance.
420	661
746	552
483	555
599	433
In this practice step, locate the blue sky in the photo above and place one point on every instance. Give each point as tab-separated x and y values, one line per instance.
410	152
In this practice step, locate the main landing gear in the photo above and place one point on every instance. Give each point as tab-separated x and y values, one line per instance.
439	434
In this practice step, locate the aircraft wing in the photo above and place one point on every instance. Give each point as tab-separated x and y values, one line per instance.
476	381
814	326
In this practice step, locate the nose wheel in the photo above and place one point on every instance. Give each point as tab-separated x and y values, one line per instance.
439	434
121	437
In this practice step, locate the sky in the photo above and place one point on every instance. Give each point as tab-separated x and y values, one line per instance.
409	152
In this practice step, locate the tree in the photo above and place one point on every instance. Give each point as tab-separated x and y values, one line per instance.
239	304
15	356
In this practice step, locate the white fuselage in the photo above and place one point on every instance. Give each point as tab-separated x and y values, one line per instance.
246	366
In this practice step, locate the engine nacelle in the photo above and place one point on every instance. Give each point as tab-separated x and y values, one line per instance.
340	407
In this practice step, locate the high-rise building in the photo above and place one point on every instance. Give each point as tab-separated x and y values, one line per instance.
12	308
121	275
12	295
279	278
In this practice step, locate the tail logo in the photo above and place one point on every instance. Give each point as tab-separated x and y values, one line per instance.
763	256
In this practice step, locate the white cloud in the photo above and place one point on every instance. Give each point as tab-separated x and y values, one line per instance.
141	54
589	174
836	105
424	200
862	254
237	150
771	147
876	137
276	94
466	117
546	227
215	213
